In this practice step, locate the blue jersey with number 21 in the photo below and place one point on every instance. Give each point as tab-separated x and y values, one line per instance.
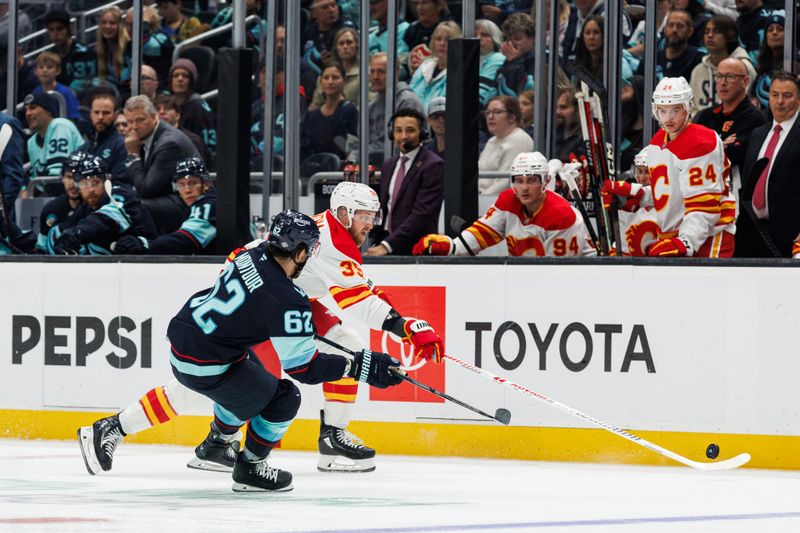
252	301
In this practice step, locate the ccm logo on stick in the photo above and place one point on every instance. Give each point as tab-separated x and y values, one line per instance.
89	334
637	347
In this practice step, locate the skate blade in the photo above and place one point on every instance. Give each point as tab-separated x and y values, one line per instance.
86	443
241	487
208	466
338	463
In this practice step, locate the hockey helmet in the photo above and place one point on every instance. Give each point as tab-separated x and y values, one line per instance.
291	231
671	91
90	167
355	196
73	160
191	166
640	160
530	164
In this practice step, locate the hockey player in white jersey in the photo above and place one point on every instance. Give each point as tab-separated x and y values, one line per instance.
638	227
689	175
532	220
336	270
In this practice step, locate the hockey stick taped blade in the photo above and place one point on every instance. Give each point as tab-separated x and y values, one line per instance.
503	416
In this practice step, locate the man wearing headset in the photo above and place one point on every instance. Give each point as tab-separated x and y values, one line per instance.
412	187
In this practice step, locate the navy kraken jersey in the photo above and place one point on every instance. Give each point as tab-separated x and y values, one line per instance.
197	232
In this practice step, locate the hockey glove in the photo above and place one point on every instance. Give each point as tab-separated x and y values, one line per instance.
378	369
433	244
68	244
132	245
796	250
427	344
629	194
674	247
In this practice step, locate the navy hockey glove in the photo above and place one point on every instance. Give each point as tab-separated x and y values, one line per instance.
131	245
375	368
68	244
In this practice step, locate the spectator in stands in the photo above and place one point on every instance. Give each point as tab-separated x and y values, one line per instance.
419	34
78	64
345	51
252	27
516	74
503	118
149	83
157	47
170	112
308	76
411	189
636	44
12	155
99	222
318	36
632	101
568	128
752	23
695	8
491	59
436	121
772	196
430	79
48	67
105	141
154	148
257	116
113	63
736	117
378	35
526	100
53	140
678	58
327	128
121	123
589	50
721	39
175	24
197	233
196	114
404	98
564	13
63	206
583	10
770	58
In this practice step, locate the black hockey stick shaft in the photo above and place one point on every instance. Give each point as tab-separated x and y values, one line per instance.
611	172
576	196
755	174
587	127
502	415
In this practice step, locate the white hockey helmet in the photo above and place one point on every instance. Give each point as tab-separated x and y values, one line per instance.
355	196
671	91
530	164
640	159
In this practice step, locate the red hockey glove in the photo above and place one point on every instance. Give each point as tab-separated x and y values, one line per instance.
674	247
433	244
630	194
427	344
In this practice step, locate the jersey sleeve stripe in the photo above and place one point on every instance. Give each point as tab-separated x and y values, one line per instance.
294	351
346	297
485	235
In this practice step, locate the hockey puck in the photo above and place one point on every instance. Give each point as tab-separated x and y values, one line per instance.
712	452
503	416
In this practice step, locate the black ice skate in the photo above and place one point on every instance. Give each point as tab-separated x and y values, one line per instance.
215	454
259	477
98	443
341	451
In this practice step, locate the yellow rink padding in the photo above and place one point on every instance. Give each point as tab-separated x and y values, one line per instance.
487	441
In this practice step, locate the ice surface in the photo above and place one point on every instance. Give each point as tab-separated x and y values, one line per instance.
44	486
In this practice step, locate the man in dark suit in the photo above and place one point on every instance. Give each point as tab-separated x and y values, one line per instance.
154	148
774	195
412	187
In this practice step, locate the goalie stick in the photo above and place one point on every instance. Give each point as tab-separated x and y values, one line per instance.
501	415
727	464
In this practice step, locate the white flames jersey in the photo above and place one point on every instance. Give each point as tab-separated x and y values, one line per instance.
690	185
337	270
639	229
556	229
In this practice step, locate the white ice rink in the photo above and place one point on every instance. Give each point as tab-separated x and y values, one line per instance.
45	487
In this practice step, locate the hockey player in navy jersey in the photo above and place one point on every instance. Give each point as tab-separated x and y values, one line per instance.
63	206
197	233
99	221
253	300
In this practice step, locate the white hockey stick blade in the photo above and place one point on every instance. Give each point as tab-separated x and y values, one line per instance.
727	464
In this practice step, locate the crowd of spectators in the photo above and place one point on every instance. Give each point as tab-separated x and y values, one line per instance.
77	95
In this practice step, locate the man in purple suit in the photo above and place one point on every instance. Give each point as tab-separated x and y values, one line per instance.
412	187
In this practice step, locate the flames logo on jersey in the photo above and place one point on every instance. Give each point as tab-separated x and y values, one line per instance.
526	246
640	236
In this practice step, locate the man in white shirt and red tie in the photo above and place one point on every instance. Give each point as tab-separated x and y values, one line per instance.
412	187
774	194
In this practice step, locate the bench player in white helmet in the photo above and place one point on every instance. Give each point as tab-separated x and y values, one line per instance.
532	220
689	175
336	269
637	217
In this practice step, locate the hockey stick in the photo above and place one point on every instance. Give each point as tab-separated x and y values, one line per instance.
458	225
107	185
587	128
611	172
501	415
755	174
728	464
576	195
